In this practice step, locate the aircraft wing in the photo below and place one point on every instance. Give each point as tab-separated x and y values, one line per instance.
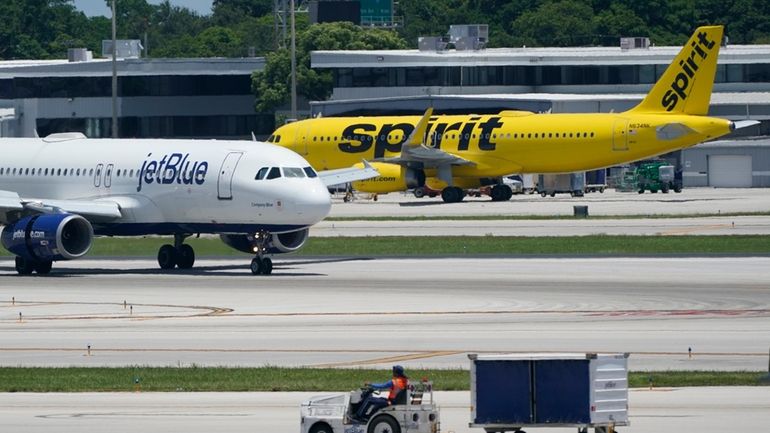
90	209
345	175
414	149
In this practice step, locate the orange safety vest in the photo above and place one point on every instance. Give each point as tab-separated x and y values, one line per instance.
399	383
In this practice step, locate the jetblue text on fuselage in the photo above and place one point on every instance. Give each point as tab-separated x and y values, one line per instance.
360	137
173	168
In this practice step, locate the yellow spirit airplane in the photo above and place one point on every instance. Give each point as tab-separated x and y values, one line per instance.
467	151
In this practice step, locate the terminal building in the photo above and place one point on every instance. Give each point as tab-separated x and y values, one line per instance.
557	80
183	98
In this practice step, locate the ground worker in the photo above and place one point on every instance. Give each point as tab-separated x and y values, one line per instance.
397	394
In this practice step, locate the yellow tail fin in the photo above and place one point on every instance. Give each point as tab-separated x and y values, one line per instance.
685	87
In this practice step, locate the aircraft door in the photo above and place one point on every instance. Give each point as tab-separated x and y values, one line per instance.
620	135
225	181
98	175
302	140
108	176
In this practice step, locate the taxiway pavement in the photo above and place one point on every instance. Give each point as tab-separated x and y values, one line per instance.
375	312
705	410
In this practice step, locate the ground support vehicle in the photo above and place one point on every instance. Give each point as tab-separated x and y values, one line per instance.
596	181
552	184
657	176
415	413
513	392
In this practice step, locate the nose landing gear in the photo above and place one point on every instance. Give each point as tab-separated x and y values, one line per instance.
261	265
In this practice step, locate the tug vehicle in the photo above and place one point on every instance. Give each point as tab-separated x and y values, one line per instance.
414	411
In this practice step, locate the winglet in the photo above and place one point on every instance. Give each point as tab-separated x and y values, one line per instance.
417	137
685	87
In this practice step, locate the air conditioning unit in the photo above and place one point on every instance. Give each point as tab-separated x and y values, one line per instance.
432	43
634	43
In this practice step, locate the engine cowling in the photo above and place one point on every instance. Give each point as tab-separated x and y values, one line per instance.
392	178
49	237
280	243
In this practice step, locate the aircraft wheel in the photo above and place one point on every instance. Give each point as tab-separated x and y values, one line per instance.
167	257
452	194
383	424
501	193
261	266
185	257
44	267
267	266
321	427
419	192
24	266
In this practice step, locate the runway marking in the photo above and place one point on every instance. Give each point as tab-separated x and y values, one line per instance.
391	359
211	311
200	311
689	230
403	354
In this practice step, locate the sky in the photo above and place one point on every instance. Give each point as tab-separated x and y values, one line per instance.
99	7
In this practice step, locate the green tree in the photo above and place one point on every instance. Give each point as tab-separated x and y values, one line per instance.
618	21
219	42
228	12
272	85
563	23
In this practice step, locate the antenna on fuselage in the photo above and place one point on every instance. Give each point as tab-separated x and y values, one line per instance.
253	137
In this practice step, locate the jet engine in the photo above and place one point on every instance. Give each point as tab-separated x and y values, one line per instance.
49	237
392	178
279	243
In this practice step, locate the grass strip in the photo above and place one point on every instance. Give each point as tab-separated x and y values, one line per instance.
461	245
215	379
540	217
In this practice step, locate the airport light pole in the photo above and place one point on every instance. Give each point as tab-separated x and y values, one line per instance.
114	76
293	66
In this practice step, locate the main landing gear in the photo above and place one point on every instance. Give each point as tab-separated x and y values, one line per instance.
27	267
501	192
261	265
452	194
178	255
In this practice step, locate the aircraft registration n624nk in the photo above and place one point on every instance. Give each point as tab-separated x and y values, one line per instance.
58	192
467	151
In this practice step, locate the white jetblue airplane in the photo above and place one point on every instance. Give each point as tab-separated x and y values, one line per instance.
58	192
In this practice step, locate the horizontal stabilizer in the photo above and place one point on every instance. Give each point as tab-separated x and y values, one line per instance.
744	124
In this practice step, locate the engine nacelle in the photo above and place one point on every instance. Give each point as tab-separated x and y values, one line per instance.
280	243
49	237
392	178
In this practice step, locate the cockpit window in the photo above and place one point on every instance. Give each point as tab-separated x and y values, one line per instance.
293	172
277	139
310	172
261	173
274	173
270	138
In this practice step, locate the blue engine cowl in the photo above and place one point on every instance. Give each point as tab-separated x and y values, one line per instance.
280	243
49	237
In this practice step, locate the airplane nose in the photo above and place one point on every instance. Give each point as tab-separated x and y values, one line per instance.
316	204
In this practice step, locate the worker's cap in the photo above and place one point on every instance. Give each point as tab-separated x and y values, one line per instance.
398	370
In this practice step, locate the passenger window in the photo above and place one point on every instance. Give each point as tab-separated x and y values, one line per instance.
274	173
261	173
310	172
293	172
